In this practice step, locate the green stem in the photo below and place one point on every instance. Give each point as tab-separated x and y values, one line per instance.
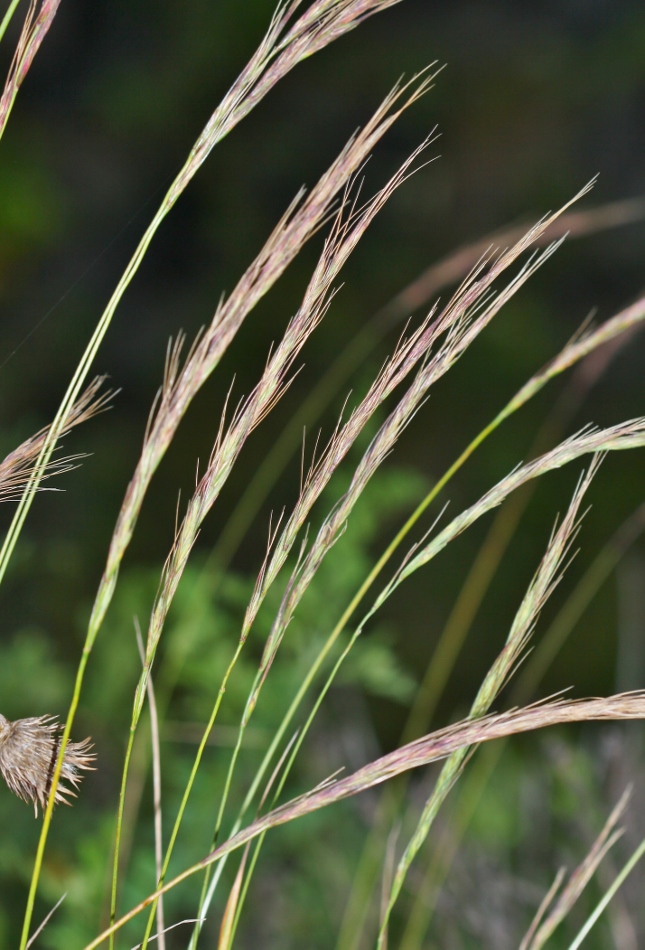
245	888
52	796
518	400
119	825
529	678
629	867
331	640
20	516
73	392
188	790
209	887
6	20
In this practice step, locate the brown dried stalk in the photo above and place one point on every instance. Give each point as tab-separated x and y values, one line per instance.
452	268
28	754
17	467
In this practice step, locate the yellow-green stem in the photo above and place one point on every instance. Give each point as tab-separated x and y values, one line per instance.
119	825
7	17
188	789
528	680
635	858
52	797
107	582
367	583
358	596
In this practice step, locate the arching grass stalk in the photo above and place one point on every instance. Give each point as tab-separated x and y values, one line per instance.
277	54
461	326
452	268
431	748
419	293
540	589
180	386
459	621
349	226
528	679
573	352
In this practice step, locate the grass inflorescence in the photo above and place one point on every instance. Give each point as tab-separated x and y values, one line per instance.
37	756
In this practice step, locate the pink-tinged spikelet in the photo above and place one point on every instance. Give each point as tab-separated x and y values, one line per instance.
28	754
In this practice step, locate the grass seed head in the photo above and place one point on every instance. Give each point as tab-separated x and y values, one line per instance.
28	755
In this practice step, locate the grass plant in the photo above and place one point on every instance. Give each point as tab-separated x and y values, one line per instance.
244	804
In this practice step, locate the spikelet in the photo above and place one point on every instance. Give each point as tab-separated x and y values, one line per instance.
28	754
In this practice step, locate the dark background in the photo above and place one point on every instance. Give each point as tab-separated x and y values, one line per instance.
536	99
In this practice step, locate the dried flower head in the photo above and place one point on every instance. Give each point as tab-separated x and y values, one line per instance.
28	754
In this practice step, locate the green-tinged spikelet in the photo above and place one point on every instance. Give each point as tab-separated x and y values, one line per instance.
28	754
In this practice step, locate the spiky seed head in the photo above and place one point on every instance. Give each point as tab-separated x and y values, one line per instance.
28	755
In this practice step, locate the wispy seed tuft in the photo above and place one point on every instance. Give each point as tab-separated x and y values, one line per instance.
28	754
